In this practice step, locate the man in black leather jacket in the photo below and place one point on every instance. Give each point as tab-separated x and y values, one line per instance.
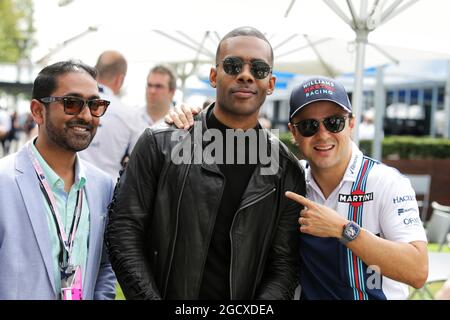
187	224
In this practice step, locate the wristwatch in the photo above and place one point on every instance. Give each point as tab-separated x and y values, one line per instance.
350	232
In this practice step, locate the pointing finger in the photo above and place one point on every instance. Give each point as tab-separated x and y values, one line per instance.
302	200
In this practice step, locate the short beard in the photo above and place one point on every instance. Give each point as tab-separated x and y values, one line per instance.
63	139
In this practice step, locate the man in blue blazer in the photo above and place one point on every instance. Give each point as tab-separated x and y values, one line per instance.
53	205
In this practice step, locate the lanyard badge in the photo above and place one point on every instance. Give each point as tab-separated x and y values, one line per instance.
71	284
71	278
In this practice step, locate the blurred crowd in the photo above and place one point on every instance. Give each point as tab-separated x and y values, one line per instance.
15	130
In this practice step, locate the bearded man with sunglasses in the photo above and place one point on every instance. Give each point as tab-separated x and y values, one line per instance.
211	229
52	203
361	235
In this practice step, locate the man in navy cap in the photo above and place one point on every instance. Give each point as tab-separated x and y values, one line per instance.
361	235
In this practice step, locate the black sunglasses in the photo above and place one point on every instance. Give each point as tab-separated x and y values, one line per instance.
234	65
74	105
309	127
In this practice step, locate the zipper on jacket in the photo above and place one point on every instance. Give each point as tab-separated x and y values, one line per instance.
205	257
257	199
155	259
176	229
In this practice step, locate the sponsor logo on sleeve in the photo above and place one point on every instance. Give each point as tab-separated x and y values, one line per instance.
404	198
412	222
403	210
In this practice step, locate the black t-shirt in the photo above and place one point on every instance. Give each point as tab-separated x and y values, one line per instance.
216	274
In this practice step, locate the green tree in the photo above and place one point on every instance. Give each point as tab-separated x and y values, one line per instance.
16	30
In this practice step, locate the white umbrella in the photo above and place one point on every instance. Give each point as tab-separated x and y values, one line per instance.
129	26
372	16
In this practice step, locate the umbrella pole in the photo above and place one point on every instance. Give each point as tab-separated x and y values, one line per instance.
447	103
380	106
361	40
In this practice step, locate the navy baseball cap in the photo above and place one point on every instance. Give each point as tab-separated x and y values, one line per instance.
318	89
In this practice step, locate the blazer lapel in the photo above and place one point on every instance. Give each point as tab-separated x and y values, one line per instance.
96	222
31	195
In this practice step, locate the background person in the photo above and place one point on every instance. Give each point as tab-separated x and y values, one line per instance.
367	128
117	133
11	139
160	90
5	127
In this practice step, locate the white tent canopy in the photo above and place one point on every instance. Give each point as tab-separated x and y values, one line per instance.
148	32
86	27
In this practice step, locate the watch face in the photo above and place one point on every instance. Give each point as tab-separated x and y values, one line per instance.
351	231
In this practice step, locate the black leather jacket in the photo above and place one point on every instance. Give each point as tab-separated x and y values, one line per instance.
162	217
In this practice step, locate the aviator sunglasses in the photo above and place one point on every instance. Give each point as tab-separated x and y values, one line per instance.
309	127
234	65
74	105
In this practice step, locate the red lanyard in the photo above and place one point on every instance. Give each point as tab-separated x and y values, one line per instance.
66	241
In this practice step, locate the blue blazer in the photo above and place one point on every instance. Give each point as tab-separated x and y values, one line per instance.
26	269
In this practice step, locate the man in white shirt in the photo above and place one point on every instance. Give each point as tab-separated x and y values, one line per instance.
160	89
367	128
361	235
116	134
